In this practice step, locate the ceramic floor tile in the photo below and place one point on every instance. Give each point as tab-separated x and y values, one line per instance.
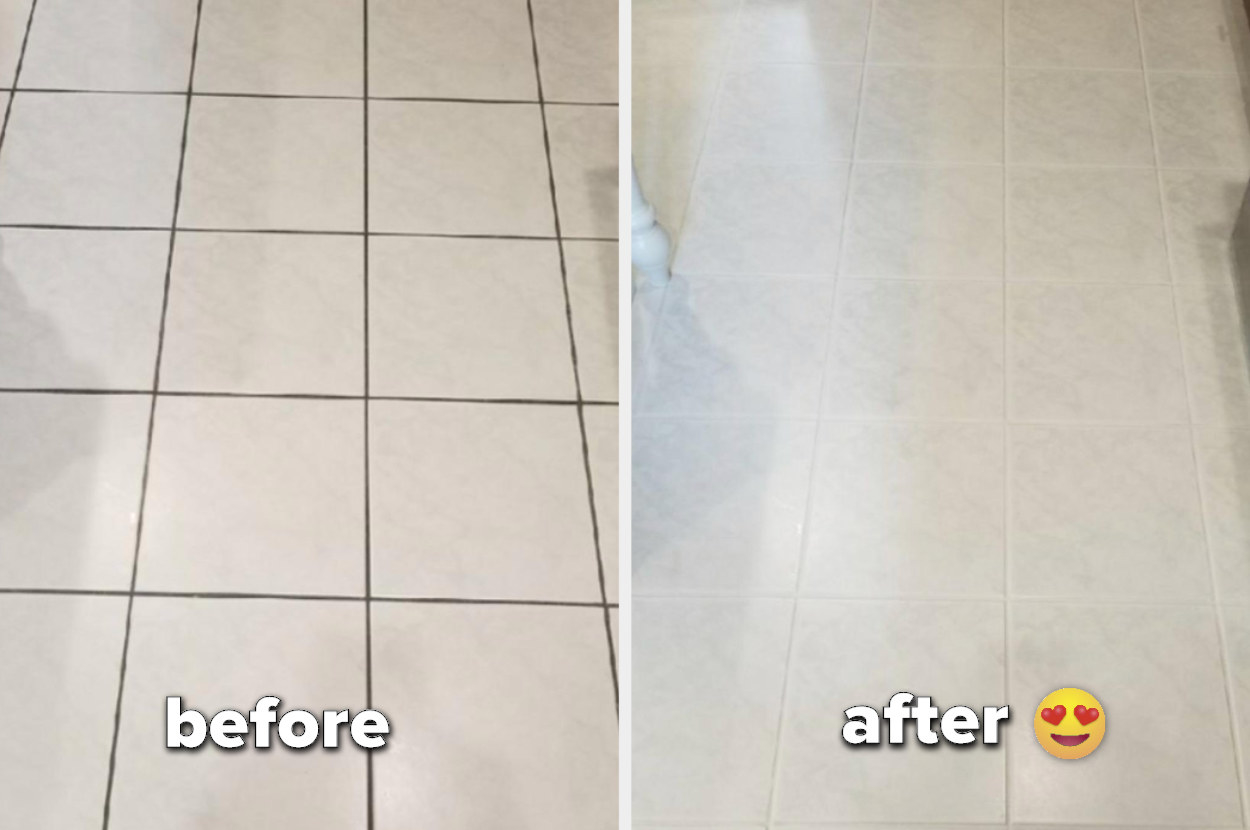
856	652
435	49
1073	34
1084	225
671	110
71	467
437	167
508	718
1217	362
1236	627
1200	120
468	318
584	157
255	495
1224	466
257	163
785	112
1102	513
763	219
91	159
265	313
61	655
1202	35
1207	224
833	31
481	501
578	43
134	45
719	505
14	15
80	309
593	295
739	346
1069	117
959	32
938	115
1130	657
603	450
314	48
226	654
888	518
916	350
1094	353
708	679
693	31
925	222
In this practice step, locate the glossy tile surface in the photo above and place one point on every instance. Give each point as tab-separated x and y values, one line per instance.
577	48
1073	34
960	32
584	158
1200	120
1070	117
938	115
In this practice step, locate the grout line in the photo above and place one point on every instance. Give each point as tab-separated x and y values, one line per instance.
156	385
280	96
17	71
43	226
369	777
1212	571
299	396
568	314
245	595
1006	266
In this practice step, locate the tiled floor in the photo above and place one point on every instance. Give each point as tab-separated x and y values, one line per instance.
949	394
309	393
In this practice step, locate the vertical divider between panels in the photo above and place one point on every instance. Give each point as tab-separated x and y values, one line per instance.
365	288
156	383
568	314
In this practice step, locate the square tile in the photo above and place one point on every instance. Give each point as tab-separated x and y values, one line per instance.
14	15
833	31
1094	353
135	45
1085	225
481	501
708	681
276	313
846	653
314	48
1130	657
925	222
1224	465
465	318
1073	34
961	32
763	219
671	110
432	49
226	653
1208	233
578	43
739	346
719	505
1200	35
1103	513
80	309
255	495
1200	120
940	115
72	468
591	268
785	112
1070	117
603	450
689	32
1217	362
491	695
266	163
61	657
437	167
888	518
584	157
916	350
91	159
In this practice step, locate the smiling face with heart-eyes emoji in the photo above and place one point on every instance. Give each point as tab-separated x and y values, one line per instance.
1069	723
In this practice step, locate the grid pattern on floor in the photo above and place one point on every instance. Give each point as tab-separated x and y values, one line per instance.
988	438
544	420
